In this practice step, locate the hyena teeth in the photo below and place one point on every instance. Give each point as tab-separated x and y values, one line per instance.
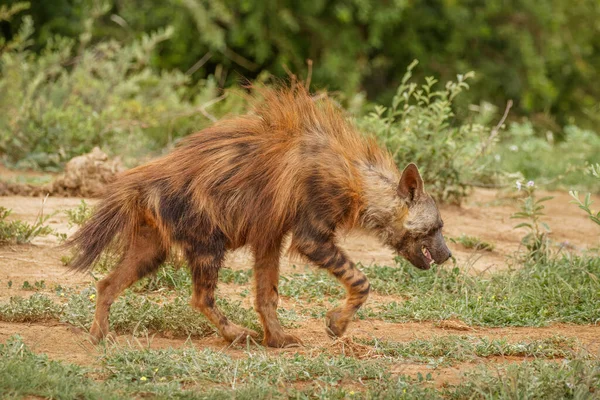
427	255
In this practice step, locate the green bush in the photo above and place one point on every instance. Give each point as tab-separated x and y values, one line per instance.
74	95
543	54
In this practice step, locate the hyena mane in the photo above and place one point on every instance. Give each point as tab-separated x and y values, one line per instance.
293	166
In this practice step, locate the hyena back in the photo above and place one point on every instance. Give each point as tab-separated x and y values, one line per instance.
292	167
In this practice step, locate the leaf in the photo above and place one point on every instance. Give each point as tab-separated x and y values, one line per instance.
523	224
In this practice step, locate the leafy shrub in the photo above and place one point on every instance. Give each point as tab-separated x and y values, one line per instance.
417	127
73	96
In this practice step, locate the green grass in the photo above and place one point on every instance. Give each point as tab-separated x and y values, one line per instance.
562	290
576	379
134	313
473	242
24	373
190	373
448	350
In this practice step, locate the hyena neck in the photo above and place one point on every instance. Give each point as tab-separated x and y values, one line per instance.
381	201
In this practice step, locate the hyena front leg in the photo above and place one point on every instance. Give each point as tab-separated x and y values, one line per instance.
328	256
266	280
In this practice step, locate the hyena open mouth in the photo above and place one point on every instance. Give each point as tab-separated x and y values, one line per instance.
427	255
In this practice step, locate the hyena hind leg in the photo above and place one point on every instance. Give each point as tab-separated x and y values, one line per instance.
205	260
328	256
143	257
266	280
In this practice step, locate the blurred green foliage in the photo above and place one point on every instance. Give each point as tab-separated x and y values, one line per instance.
74	95
552	163
543	54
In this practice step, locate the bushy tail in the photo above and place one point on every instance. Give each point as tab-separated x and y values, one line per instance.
116	216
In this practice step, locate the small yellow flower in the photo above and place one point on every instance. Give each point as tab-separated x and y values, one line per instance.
62	294
92	296
155	369
478	297
404	390
539	346
351	393
493	297
143	379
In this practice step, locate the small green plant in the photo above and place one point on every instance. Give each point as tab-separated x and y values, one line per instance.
37	285
536	240
20	232
79	215
33	309
473	242
586	204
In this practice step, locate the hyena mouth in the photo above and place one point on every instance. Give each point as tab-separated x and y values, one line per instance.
427	255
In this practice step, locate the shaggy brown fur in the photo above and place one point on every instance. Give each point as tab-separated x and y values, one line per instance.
293	166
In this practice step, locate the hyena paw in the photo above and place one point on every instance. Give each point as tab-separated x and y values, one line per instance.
336	322
282	340
233	333
100	332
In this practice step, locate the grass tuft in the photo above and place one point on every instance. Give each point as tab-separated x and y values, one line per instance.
473	242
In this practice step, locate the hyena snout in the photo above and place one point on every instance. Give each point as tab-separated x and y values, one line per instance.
426	251
438	249
441	254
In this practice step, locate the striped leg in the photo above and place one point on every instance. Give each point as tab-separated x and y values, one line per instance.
328	256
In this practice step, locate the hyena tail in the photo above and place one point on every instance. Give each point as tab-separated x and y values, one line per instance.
117	215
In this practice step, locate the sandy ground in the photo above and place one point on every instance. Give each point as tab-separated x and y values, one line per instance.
486	214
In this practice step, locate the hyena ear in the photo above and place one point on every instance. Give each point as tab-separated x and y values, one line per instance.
411	183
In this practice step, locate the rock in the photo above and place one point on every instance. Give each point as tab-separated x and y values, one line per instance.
86	175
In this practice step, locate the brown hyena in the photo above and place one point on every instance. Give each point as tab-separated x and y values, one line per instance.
292	167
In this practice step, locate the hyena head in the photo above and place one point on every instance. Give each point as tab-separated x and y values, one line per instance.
409	221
